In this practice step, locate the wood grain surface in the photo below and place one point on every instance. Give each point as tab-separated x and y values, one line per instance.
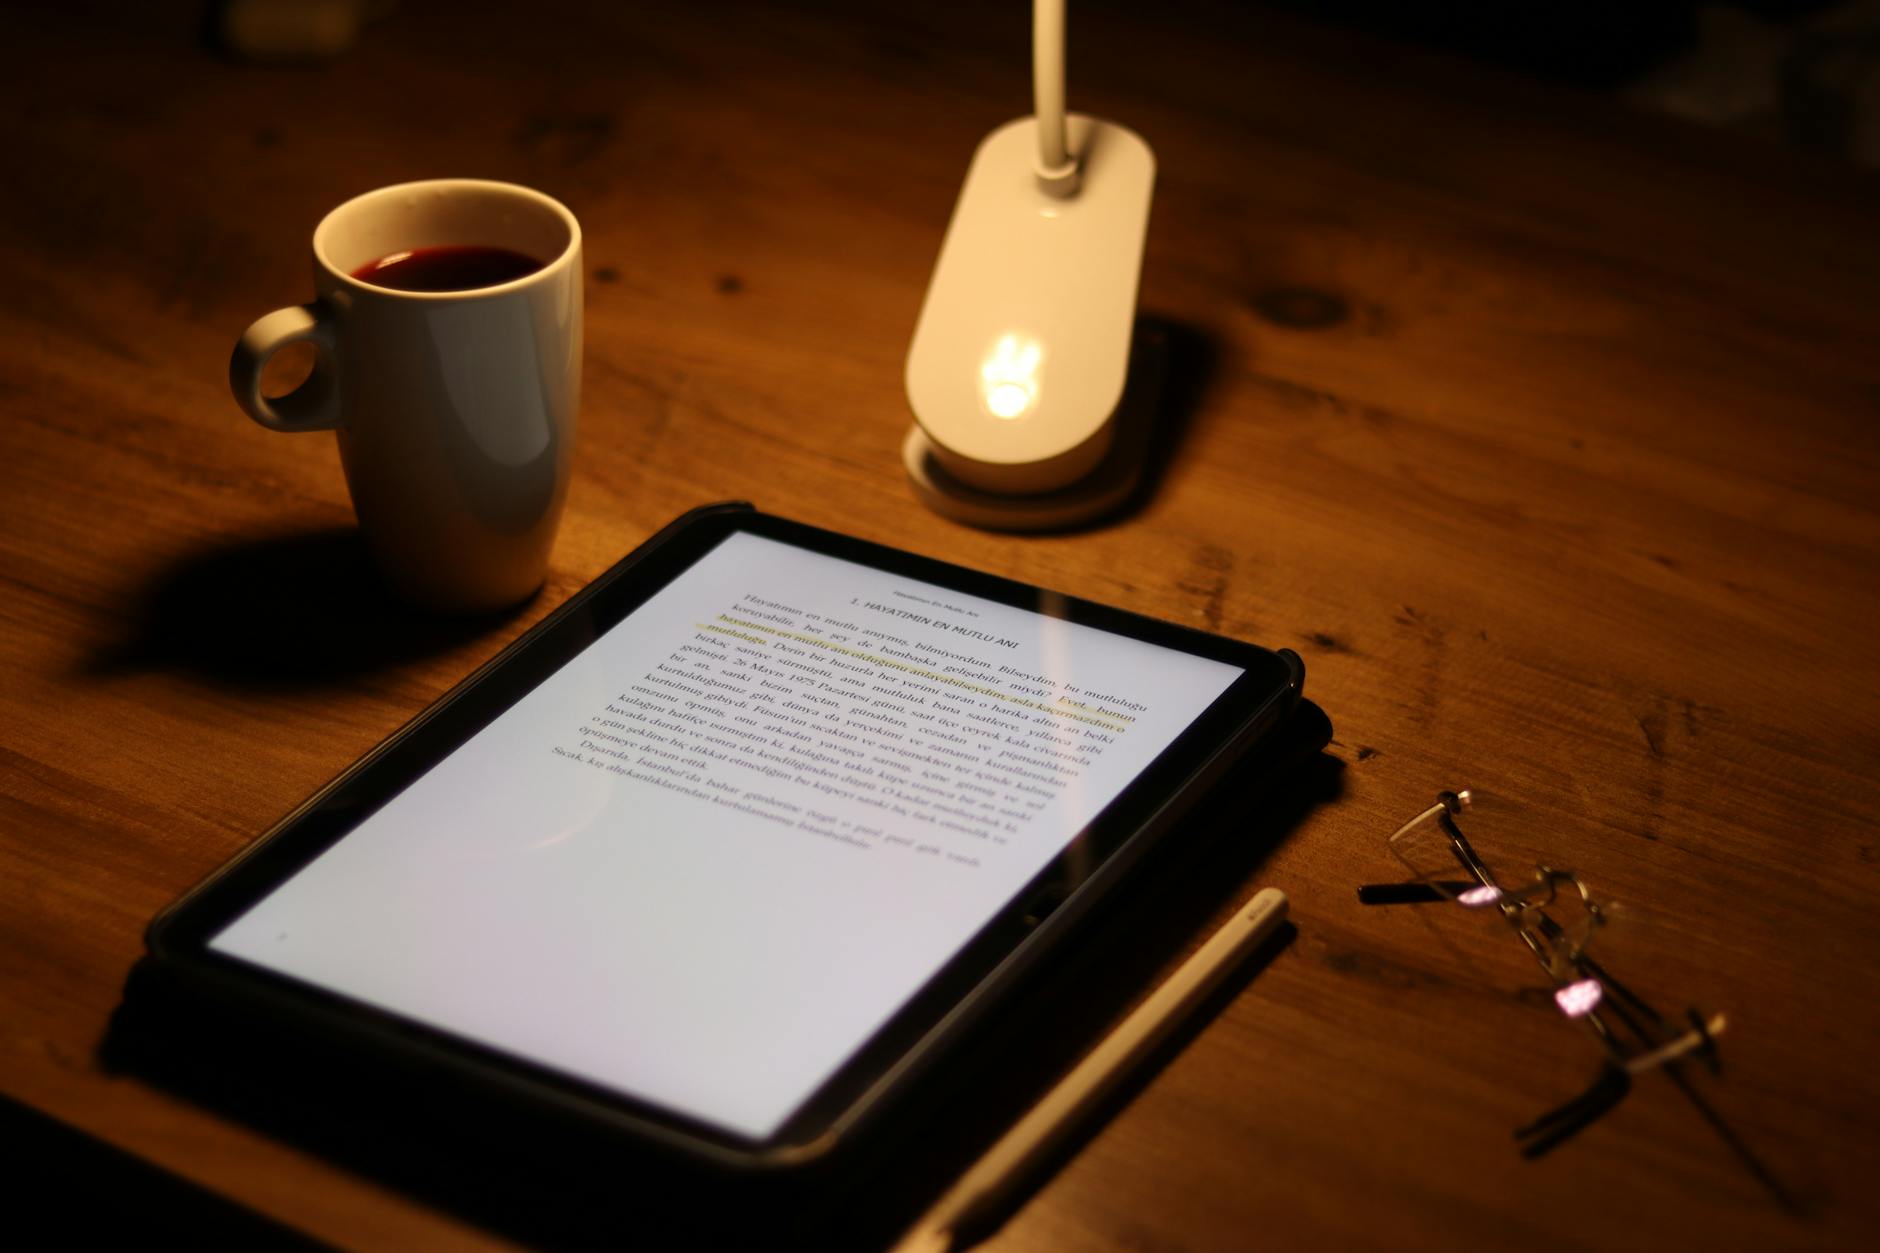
1544	430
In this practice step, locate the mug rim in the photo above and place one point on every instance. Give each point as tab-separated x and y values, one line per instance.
543	199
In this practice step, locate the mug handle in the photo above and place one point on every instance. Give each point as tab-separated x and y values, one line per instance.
314	405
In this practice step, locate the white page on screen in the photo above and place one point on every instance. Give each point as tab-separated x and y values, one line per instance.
707	859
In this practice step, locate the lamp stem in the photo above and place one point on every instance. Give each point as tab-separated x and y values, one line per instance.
1057	168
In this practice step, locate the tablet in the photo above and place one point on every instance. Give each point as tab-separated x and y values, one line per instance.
736	841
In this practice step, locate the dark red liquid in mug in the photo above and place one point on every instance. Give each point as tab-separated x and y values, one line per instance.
448	267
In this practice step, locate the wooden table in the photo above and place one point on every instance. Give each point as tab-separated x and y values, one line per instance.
1543	429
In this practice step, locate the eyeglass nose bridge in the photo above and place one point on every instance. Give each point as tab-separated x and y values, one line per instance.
1544	888
1556	945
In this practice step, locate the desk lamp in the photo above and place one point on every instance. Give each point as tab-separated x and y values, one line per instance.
1020	356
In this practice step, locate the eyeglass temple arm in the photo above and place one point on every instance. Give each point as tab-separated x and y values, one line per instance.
1409	893
1464	851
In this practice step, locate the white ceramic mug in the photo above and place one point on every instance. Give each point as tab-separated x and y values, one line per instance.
455	410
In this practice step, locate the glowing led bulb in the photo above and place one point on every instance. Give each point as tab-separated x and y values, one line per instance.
1007	400
1008	377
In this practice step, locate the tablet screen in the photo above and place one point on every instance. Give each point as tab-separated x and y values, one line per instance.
708	858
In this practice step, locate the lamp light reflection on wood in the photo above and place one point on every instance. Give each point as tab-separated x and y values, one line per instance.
1579	998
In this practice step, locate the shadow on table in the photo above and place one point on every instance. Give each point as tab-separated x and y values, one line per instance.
1186	362
289	611
547	1183
1171	367
139	1206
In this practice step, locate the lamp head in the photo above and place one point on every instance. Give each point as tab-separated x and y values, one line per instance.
1022	349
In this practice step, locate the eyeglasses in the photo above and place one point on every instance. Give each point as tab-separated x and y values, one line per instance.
1559	919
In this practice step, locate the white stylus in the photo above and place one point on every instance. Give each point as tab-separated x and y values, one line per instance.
959	1217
